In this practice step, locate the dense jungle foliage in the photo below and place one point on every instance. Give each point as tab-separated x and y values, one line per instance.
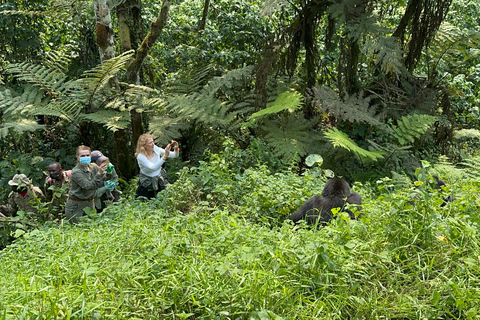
381	93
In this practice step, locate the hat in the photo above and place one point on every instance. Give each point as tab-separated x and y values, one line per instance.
97	156
19	178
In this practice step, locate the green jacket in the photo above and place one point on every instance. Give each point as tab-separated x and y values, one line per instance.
112	176
84	181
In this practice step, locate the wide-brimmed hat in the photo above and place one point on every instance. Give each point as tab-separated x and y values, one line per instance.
97	156
19	178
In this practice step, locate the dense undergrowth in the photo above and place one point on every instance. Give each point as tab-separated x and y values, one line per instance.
215	245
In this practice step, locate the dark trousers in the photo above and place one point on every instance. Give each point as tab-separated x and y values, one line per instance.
144	192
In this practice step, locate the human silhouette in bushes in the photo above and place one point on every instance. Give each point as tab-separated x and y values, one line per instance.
107	189
22	196
57	177
318	209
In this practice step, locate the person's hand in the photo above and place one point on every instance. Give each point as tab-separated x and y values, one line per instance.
109	185
102	167
167	151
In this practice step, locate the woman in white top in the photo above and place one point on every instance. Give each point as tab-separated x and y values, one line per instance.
152	177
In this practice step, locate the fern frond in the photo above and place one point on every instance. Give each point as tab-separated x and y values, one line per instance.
68	109
20	126
353	108
152	103
21	105
39	76
456	42
340	139
112	120
193	81
166	128
388	53
467	134
95	79
290	137
286	100
57	60
412	127
206	106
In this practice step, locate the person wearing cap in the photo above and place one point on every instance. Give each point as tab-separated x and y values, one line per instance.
107	190
57	177
86	177
152	178
23	196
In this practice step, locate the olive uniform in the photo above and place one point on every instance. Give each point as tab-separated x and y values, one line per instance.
17	202
23	196
83	184
102	194
58	202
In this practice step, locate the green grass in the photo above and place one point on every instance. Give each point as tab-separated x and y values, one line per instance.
215	247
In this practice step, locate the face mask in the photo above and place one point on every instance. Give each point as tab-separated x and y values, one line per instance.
21	189
85	160
54	176
14	188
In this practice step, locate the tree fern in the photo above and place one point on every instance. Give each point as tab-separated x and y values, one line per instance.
353	108
340	139
215	104
289	136
46	90
411	127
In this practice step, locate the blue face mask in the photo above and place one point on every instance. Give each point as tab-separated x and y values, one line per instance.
85	160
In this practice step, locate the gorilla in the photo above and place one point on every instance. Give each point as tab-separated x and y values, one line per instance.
318	209
438	186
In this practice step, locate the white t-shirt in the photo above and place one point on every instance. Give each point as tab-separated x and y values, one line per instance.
152	167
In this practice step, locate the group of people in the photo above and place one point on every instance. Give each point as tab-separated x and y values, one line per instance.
64	188
92	183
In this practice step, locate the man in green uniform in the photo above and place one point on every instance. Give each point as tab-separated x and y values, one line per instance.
60	179
23	196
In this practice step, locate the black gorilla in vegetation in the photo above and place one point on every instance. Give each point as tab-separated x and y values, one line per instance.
438	186
318	209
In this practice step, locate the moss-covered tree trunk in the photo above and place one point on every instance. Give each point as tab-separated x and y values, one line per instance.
104	30
125	141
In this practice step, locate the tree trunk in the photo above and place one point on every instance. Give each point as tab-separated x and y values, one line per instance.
124	145
424	18
152	36
104	30
128	13
203	21
262	70
134	67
